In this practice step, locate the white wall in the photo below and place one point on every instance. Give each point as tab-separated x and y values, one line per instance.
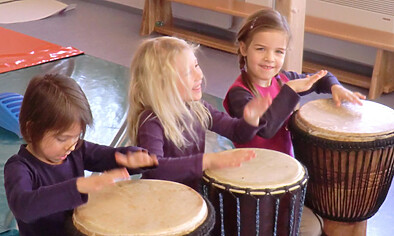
340	49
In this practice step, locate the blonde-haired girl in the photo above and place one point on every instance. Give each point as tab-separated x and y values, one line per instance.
168	118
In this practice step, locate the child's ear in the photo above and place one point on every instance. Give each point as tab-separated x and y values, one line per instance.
28	130
242	48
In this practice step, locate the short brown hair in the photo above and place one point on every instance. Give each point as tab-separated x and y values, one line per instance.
52	102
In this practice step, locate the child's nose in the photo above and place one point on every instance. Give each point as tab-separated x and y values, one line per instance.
268	56
198	73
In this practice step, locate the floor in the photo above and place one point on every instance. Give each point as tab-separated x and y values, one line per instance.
111	32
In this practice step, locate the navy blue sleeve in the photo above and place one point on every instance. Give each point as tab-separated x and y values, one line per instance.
98	158
235	129
323	85
281	108
181	168
29	204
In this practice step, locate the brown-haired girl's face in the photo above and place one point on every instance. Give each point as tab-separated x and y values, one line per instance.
189	84
54	147
265	55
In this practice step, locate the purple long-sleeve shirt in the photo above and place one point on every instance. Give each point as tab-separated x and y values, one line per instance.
282	105
274	135
42	196
185	165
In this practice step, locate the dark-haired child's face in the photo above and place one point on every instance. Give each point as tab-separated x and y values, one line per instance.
54	147
191	76
265	55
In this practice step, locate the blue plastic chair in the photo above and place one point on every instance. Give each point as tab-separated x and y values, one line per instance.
10	106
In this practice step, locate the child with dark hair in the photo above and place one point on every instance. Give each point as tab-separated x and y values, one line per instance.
45	180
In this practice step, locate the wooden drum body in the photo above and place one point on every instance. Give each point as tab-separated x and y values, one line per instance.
145	207
265	196
349	154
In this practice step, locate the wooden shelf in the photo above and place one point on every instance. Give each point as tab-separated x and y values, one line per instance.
197	38
343	76
350	33
230	7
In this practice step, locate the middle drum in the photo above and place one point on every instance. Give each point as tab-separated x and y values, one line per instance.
265	196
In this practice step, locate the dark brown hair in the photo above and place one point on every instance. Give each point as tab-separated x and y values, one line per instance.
260	21
52	102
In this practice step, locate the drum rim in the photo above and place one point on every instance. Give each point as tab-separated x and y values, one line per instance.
258	191
79	226
305	136
212	177
312	129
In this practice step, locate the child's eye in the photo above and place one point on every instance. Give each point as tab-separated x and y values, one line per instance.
61	139
197	65
280	51
260	49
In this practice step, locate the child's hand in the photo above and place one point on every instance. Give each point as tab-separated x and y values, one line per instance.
226	159
302	85
135	160
340	93
256	108
97	182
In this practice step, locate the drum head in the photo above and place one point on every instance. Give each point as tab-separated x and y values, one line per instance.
349	122
269	170
141	207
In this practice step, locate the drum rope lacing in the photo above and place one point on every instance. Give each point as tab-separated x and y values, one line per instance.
238	218
366	188
258	216
221	213
268	192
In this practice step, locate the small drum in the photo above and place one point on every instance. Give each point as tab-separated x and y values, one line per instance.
265	196
145	207
349	154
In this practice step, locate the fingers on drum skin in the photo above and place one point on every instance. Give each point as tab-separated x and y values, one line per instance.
246	154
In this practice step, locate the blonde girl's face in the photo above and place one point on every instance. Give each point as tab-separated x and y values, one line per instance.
190	76
54	147
265	55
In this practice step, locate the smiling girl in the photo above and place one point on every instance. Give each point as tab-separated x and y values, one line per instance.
263	42
168	118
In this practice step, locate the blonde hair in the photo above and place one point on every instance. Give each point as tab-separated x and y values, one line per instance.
153	86
260	21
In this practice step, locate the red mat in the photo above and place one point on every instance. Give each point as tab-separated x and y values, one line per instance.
18	50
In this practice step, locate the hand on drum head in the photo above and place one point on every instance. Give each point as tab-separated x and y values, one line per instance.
97	182
256	108
339	94
226	159
137	159
302	85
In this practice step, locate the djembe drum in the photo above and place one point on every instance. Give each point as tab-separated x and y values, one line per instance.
265	196
144	207
348	151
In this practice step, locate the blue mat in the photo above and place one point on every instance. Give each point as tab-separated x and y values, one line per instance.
7	220
12	232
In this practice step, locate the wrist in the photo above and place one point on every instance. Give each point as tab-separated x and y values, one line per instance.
79	184
205	161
